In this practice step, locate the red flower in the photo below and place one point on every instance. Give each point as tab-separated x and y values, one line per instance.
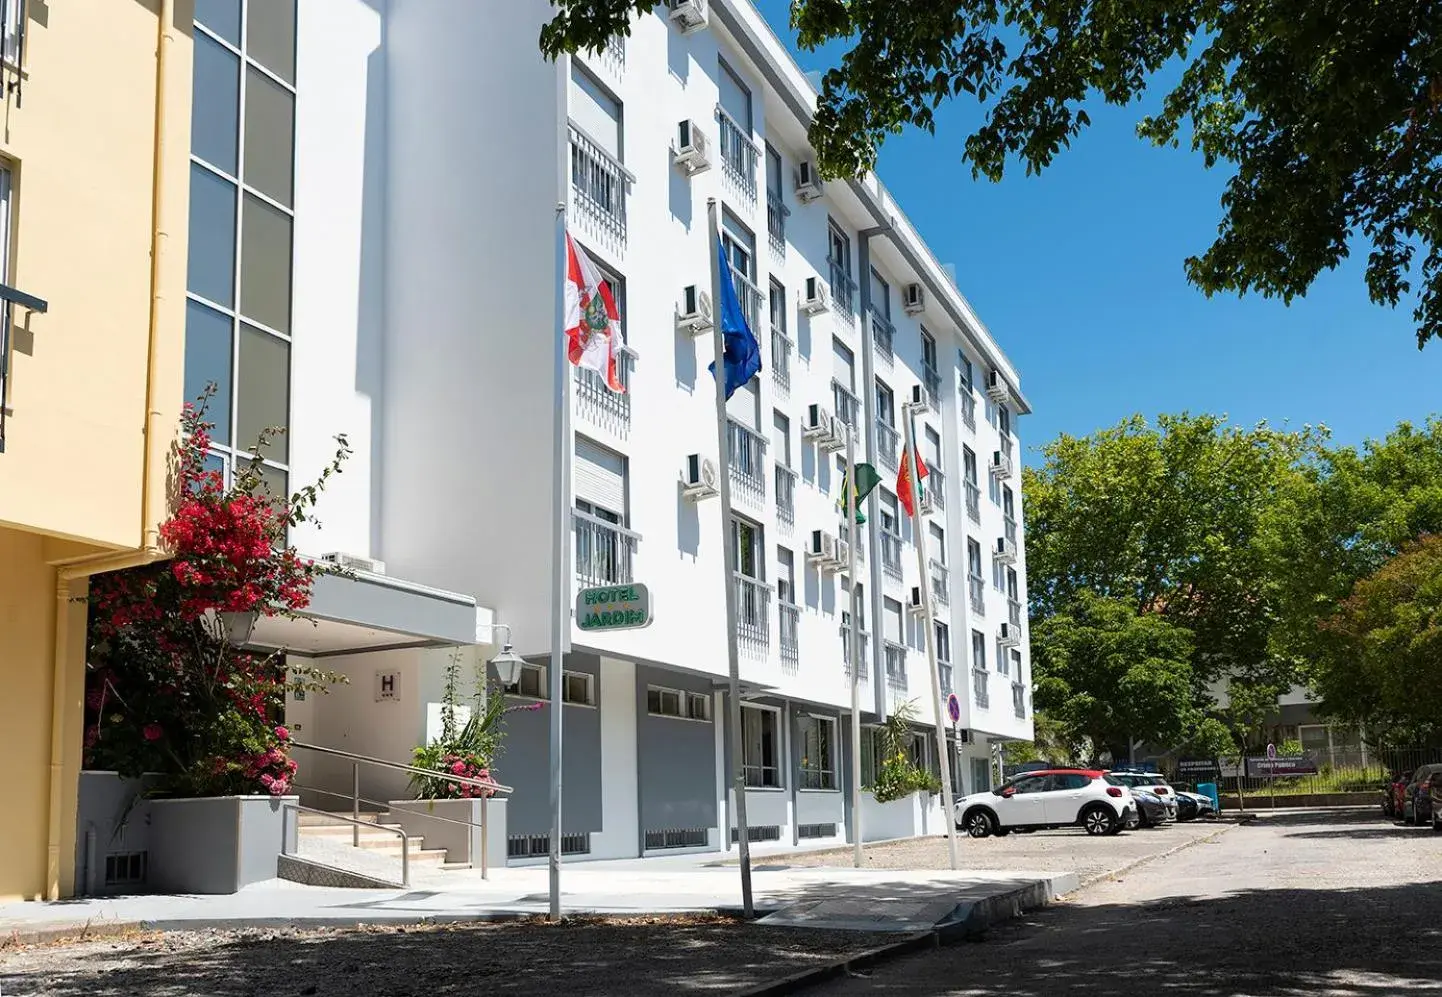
152	732
282	733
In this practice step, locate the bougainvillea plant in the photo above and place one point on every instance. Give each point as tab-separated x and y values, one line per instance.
166	692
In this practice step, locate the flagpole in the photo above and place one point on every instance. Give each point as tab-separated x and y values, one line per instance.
853	641
918	530
733	733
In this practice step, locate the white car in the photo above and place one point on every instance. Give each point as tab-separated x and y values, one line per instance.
1088	798
1153	782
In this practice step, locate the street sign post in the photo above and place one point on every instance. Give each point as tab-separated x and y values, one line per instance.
613	607
953	708
1271	752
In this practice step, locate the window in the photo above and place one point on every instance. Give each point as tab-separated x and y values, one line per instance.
578	688
735	96
596	112
880	294
241	189
964	368
740	246
1011	582
885	404
817	737
978	650
1003	420
891	620
968	462
774	173
780	438
937	549
531	683
1016	675
860	604
746	548
973	558
785	576
840	246
676	703
890	521
760	747
845	363
928	350
931	450
943	642
871	750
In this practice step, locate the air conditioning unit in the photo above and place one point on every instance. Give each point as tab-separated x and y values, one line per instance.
913	299
1005	550
1000	464
920	401
699	480
824	551
691	152
689	15
914	602
694	314
824	429
814	300
843	555
808	182
996	388
354	562
1007	635
928	504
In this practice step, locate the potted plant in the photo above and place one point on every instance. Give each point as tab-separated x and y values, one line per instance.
169	692
900	794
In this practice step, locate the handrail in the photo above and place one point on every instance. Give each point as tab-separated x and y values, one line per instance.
586	517
405	838
397	766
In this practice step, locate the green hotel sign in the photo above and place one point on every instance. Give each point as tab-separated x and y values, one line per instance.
613	607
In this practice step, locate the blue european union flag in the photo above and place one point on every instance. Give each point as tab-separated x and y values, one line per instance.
740	352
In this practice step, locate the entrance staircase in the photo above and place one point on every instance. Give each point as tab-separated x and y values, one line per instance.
331	843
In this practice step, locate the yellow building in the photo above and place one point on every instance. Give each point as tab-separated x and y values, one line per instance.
94	150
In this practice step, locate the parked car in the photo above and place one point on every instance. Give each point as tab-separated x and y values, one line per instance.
1417	795
1152	810
1434	791
1153	782
1191	804
1089	798
1394	792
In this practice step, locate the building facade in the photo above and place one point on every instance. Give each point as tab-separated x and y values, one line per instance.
92	258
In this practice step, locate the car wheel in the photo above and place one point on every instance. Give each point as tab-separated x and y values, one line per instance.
1436	821
1001	832
979	824
1099	820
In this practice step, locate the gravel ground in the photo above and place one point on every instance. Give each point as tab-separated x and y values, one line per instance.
1309	904
1063	850
630	956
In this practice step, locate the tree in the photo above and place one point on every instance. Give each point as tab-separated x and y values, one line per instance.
1390	632
1170	520
1109	674
1326	112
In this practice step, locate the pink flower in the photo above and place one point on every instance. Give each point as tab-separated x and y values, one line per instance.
152	732
459	768
278	787
267	780
282	733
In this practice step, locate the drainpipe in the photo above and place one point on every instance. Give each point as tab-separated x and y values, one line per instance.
868	415
149	550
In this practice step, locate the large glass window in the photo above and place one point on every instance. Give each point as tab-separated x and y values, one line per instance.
760	747
817	737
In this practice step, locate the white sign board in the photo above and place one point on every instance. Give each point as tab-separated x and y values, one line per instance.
388	686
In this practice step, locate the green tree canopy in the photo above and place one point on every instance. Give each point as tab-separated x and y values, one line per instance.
1169	519
1325	112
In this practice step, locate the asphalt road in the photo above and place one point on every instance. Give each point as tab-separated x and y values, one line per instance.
1309	904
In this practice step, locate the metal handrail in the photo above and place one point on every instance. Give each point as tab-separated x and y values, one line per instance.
405	838
356	800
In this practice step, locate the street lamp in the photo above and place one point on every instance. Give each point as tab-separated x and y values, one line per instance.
508	663
233	627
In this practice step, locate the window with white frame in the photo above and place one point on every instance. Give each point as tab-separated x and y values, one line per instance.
760	747
678	704
931	450
978	651
531	683
817	739
578	688
943	642
785	576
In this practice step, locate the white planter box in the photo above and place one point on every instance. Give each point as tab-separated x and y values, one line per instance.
912	815
462	844
217	844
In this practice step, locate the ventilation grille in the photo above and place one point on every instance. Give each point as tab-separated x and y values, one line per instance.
677	837
125	868
816	831
524	846
766	832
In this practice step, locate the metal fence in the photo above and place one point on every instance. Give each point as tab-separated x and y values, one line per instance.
1348	769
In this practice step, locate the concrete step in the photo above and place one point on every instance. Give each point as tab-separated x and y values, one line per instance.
326	820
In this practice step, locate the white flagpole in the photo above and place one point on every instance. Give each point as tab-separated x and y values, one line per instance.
853	642
733	733
918	530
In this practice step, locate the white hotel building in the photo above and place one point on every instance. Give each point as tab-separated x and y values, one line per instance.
431	146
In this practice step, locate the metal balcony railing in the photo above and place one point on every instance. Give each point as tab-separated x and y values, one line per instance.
746	459
738	154
932	379
788	619
979	677
1018	700
594	397
785	495
605	551
882	333
848	406
1013	612
1009	529
978	594
968	407
776	215
888	444
753	611
863	671
895	665
749	295
936	487
599	183
891	554
843	290
781	347
940	582
973	501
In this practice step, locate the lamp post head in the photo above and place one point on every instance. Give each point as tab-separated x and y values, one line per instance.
235	628
508	665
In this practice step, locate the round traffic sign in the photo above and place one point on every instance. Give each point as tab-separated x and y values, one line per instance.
953	708
1271	752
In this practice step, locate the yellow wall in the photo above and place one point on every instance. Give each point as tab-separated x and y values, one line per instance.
81	149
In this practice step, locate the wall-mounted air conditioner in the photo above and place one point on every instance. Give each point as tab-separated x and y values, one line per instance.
693	313
354	562
813	298
808	182
688	15
914	602
1000	464
996	388
699	478
1008	635
913	299
691	153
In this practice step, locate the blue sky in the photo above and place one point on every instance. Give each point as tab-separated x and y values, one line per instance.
1078	274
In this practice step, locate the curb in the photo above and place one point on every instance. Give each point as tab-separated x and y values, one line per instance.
1102	877
74	932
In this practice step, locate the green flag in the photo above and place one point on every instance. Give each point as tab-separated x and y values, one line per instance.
866	479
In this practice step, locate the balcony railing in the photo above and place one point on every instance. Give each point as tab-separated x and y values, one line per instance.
738	154
1013	612
785	494
895	665
1018	700
973	501
888	444
1009	529
753	611
882	333
605	552
781	347
891	554
936	487
940	583
968	407
848	406
597	401
865	641
843	290
749	296
746	459
977	584
979	677
776	215
788	619
599	183
932	379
